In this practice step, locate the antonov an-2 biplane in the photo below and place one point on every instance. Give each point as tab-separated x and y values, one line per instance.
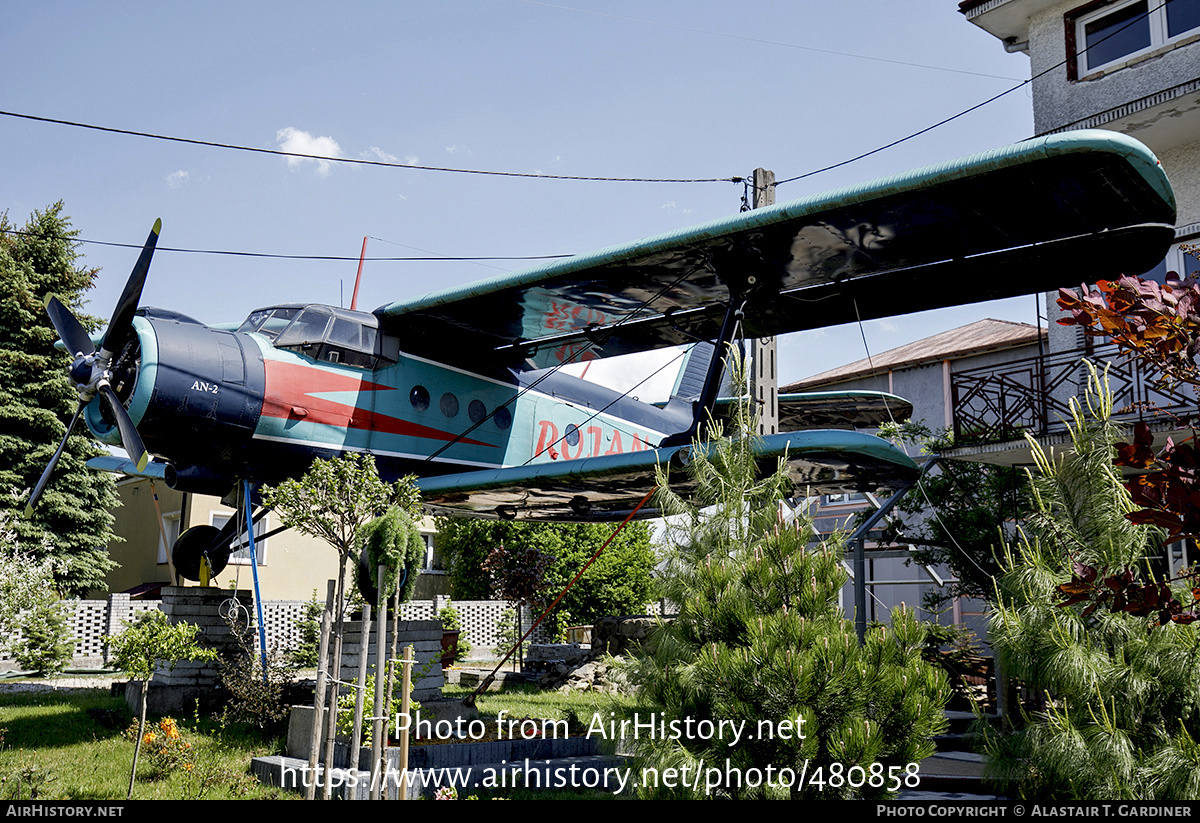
463	387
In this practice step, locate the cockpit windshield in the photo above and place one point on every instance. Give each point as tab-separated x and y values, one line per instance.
320	332
269	322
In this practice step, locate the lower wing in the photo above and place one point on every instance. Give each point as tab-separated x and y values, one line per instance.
608	488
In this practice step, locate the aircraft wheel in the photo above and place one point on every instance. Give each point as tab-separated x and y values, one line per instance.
191	546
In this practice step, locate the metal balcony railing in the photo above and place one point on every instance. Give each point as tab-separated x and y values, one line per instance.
998	403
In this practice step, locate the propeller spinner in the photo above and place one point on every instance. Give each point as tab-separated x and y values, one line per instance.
91	371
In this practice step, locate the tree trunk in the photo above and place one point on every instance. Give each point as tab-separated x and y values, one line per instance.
137	744
334	677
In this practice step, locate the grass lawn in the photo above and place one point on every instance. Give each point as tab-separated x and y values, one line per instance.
71	745
529	701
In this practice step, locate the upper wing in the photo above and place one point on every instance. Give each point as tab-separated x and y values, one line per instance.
1016	220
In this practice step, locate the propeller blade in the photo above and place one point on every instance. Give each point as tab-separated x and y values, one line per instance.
49	470
130	438
118	325
68	328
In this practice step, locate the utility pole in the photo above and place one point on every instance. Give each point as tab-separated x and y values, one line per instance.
764	382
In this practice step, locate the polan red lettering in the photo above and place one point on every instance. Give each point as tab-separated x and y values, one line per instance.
549	442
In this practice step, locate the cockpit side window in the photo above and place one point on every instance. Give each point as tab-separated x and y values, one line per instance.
347	333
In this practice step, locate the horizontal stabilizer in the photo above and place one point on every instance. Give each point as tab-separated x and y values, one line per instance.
836	410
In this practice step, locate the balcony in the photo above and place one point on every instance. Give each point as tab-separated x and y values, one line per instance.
997	404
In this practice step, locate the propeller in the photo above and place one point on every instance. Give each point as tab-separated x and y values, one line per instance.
91	370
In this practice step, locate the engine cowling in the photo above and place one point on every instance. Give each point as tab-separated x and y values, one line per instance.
195	394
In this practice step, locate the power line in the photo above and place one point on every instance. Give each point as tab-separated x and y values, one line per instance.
363	161
781	43
327	257
952	117
905	139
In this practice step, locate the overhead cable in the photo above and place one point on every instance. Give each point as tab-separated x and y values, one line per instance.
967	111
326	257
362	161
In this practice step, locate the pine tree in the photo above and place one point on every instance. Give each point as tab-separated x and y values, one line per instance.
759	639
36	402
1114	705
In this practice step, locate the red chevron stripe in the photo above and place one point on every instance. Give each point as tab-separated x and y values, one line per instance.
290	390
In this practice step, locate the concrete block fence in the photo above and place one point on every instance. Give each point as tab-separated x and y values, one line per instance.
94	620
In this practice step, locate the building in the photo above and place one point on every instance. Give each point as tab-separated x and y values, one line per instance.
924	373
1131	66
291	565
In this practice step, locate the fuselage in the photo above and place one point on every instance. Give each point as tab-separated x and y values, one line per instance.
221	404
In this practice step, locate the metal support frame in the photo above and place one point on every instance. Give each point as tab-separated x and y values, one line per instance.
859	538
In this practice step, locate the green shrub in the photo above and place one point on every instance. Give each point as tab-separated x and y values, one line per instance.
305	654
452	623
47	644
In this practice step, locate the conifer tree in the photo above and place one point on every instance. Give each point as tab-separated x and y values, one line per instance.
760	639
74	519
1114	705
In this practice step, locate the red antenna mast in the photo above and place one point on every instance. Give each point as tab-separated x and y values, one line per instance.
358	277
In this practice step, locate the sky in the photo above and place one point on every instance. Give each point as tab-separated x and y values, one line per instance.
670	89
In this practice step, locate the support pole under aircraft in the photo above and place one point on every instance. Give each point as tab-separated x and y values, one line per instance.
858	541
262	628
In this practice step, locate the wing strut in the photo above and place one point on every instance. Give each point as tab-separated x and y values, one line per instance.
702	406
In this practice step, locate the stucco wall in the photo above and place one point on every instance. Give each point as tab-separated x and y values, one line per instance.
1058	101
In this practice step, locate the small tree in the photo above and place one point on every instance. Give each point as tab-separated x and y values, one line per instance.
74	520
26	578
152	641
452	622
519	576
394	542
759	639
46	645
965	510
333	500
1114	706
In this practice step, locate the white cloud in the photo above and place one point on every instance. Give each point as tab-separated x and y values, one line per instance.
672	207
455	149
376	153
176	179
410	159
301	142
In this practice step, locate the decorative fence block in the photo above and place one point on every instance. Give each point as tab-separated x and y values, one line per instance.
94	621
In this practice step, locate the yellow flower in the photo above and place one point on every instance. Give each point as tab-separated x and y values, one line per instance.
169	728
149	738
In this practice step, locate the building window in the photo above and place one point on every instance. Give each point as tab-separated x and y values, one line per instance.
1116	31
1177	261
843	499
170	530
242	555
